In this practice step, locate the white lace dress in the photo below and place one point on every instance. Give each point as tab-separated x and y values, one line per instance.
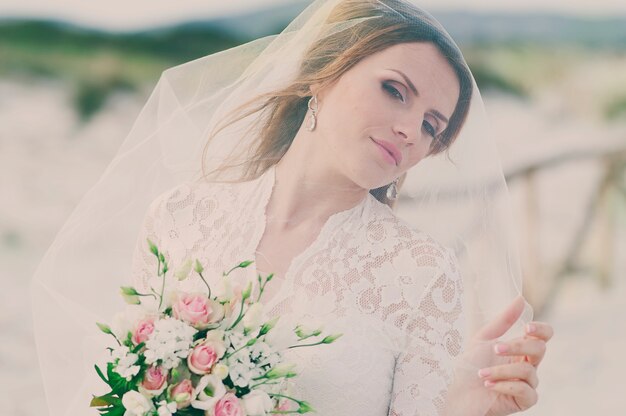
391	290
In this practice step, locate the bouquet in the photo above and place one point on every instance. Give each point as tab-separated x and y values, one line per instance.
199	353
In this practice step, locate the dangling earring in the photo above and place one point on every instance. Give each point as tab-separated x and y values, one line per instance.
392	190
313	118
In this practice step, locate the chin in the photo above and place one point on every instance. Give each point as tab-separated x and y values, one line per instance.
369	176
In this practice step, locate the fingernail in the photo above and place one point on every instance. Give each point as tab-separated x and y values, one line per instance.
489	383
530	328
484	372
500	348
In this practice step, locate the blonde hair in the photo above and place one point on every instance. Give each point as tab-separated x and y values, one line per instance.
281	112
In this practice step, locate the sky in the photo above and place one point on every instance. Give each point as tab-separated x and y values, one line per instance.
137	14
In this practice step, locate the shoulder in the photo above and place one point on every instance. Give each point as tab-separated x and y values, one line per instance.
410	242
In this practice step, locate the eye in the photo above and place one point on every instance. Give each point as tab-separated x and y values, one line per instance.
429	128
392	91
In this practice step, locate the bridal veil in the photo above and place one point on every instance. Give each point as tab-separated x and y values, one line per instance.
459	197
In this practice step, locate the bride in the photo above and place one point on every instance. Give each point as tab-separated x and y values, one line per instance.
306	139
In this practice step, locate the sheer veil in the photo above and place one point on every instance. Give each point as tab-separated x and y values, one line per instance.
459	197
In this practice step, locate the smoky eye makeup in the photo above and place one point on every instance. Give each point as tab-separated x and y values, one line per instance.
430	128
435	126
392	90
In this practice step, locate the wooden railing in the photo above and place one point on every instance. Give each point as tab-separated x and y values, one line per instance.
541	283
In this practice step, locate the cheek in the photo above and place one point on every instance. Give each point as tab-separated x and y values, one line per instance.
417	153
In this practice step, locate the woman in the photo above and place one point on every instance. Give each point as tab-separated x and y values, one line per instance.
312	134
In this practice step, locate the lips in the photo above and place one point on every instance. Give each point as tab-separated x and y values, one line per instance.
391	148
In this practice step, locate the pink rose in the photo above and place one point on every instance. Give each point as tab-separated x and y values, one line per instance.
154	380
204	356
182	393
197	310
228	405
142	331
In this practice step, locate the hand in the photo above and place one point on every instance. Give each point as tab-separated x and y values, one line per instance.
516	381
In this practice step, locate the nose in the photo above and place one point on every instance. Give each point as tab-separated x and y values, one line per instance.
409	128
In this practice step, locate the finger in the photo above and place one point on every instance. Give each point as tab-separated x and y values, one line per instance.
533	349
516	371
524	395
504	321
540	330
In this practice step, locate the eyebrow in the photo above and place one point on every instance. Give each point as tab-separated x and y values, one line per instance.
416	93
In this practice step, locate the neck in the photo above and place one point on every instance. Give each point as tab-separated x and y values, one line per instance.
308	188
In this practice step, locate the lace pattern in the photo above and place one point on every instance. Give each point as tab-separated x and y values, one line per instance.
394	293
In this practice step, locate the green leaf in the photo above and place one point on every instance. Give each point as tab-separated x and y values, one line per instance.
138	347
98	402
106	400
101	375
118	384
114	411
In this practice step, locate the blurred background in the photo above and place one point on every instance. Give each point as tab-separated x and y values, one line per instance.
74	76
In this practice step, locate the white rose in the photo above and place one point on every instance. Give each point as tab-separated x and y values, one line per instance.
208	391
252	318
136	404
257	403
220	370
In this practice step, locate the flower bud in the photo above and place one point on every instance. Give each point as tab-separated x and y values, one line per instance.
130	295
305	332
153	248
183	272
281	370
198	267
247	292
104	328
331	338
267	327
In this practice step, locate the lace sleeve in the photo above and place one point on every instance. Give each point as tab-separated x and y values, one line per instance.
424	368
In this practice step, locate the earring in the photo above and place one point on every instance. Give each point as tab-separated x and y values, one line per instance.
392	190
313	108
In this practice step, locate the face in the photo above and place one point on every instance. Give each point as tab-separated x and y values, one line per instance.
380	118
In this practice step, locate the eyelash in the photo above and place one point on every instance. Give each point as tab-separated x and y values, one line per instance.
394	93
